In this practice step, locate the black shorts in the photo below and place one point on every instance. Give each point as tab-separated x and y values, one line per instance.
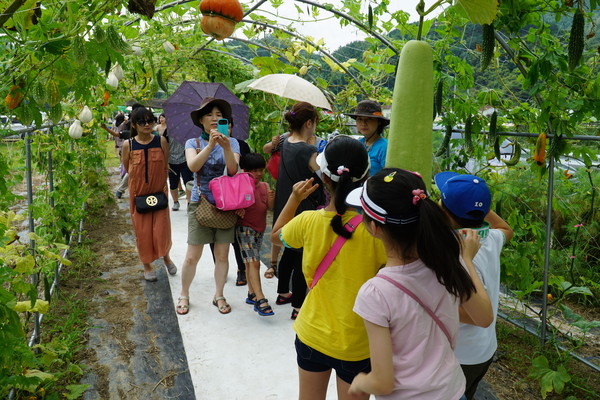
177	171
312	360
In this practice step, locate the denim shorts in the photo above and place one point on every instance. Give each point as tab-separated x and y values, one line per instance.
312	360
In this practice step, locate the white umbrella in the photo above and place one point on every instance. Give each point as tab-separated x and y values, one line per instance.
291	87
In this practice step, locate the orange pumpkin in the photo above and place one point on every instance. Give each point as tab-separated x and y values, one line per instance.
220	16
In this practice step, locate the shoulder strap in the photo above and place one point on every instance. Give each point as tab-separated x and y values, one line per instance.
415	298
198	148
335	249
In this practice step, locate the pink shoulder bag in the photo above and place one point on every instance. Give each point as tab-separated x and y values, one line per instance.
350	226
233	192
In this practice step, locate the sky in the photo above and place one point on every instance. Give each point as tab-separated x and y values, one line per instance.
329	28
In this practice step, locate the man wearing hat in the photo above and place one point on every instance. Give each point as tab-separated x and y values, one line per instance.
467	200
370	122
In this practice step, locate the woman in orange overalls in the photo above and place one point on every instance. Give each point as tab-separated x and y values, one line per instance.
145	157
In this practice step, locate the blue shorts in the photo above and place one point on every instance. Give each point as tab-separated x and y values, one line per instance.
312	360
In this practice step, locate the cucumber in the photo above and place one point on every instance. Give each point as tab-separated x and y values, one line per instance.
439	94
487	45
411	128
444	147
576	39
161	82
79	52
516	156
469	134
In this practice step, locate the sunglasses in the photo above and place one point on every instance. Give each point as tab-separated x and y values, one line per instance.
146	122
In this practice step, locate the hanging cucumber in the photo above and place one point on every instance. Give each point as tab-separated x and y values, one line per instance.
411	128
576	41
487	45
444	147
469	134
437	100
516	156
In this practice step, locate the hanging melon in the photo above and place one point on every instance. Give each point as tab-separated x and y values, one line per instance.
411	125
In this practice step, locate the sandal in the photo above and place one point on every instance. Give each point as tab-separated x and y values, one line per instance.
225	308
271	271
283	300
251	298
294	314
241	278
262	309
183	309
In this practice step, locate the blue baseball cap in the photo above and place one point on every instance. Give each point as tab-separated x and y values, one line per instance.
466	196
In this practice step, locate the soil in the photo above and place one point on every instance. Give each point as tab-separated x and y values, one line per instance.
134	350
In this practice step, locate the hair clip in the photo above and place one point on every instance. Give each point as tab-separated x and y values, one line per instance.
390	177
418	194
341	169
292	113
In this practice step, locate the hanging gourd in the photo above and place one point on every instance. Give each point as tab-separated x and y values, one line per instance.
220	16
75	130
85	115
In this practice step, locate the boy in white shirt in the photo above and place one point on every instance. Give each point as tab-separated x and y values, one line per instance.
467	199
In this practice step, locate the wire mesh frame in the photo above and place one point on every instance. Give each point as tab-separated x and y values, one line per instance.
548	231
37	317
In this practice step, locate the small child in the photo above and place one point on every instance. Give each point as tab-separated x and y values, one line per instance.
411	307
466	199
250	229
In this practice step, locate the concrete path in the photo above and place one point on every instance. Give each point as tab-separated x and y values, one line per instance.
240	355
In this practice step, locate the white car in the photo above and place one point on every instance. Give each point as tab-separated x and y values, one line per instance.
11	123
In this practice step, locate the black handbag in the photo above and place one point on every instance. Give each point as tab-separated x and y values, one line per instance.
151	202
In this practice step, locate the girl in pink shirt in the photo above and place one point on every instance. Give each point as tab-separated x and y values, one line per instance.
412	330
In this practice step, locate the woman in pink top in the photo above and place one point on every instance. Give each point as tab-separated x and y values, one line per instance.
412	330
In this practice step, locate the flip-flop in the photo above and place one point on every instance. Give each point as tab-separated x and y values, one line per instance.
225	308
183	309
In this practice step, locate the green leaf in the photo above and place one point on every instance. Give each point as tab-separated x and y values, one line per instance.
479	11
550	380
75	391
25	265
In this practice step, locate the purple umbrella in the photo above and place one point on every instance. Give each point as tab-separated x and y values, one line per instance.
188	97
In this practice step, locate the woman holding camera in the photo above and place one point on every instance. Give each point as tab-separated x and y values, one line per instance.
207	157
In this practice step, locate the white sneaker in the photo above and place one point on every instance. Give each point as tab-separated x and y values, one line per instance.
175	206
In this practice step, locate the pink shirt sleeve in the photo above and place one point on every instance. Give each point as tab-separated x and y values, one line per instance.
371	304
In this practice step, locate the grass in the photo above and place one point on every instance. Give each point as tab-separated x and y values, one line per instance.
112	157
517	349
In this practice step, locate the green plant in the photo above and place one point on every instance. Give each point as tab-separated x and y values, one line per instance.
550	379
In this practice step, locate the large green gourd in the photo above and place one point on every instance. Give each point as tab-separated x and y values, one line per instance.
411	127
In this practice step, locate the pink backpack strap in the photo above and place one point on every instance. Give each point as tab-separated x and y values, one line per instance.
415	298
350	226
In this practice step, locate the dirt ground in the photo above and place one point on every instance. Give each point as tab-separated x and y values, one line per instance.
134	349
